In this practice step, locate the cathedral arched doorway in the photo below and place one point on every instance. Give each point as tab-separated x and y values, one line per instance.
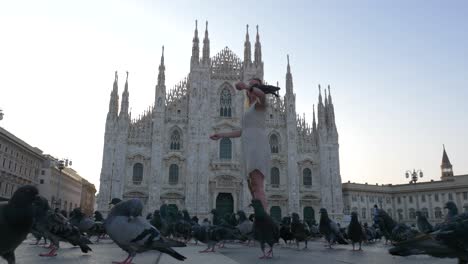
309	215
224	204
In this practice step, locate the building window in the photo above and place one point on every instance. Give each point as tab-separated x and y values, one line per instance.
355	210
173	174
438	213
307	177
465	208
400	214
362	199
137	173
363	213
225	148
175	140
389	212
465	196
354	198
42	172
399	200
450	197
389	200
410	199
225	103
274	143
423	198
371	199
41	181
275	212
275	176
436	197
412	213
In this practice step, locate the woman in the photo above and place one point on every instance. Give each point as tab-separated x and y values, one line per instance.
255	147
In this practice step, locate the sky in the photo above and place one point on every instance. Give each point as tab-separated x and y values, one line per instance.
398	71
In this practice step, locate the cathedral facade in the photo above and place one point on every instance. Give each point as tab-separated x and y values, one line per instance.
165	155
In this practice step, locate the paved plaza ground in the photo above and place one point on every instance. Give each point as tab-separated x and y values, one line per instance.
105	252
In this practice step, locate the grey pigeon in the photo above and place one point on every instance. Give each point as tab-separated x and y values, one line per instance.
245	226
355	231
126	226
55	227
452	211
16	220
423	225
330	229
265	229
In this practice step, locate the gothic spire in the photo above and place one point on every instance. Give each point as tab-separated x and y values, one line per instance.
125	103
114	100
289	81
320	95
326	98
258	50
329	95
314	124
162	69
445	159
206	46
247	48
195	46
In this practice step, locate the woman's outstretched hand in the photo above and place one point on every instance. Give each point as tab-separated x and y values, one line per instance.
241	86
215	136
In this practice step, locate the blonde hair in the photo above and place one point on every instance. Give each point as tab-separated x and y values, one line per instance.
247	101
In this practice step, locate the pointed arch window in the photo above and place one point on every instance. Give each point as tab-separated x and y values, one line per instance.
173	174
225	148
275	177
225	103
137	173
307	177
274	143
175	140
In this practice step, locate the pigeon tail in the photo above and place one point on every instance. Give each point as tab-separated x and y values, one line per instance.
171	252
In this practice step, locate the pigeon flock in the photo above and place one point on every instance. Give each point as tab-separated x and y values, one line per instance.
167	229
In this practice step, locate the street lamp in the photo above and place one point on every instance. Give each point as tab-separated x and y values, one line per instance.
414	175
61	164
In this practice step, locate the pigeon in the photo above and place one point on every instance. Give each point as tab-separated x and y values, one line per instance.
183	227
207	234
330	229
423	225
355	231
98	217
265	229
56	228
450	241
285	230
452	211
134	234
245	226
16	220
80	220
299	230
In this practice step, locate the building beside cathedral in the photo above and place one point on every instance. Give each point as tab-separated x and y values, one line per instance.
165	155
402	201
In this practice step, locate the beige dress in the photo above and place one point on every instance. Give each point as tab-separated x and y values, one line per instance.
255	146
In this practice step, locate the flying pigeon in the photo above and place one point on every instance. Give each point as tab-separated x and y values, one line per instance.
265	229
330	229
450	241
355	231
423	225
55	227
16	220
134	234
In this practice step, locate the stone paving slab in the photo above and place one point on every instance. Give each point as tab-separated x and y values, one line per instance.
105	252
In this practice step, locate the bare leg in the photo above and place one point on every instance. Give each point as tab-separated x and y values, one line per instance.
257	187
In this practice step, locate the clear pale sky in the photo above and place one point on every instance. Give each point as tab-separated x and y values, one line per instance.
398	71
